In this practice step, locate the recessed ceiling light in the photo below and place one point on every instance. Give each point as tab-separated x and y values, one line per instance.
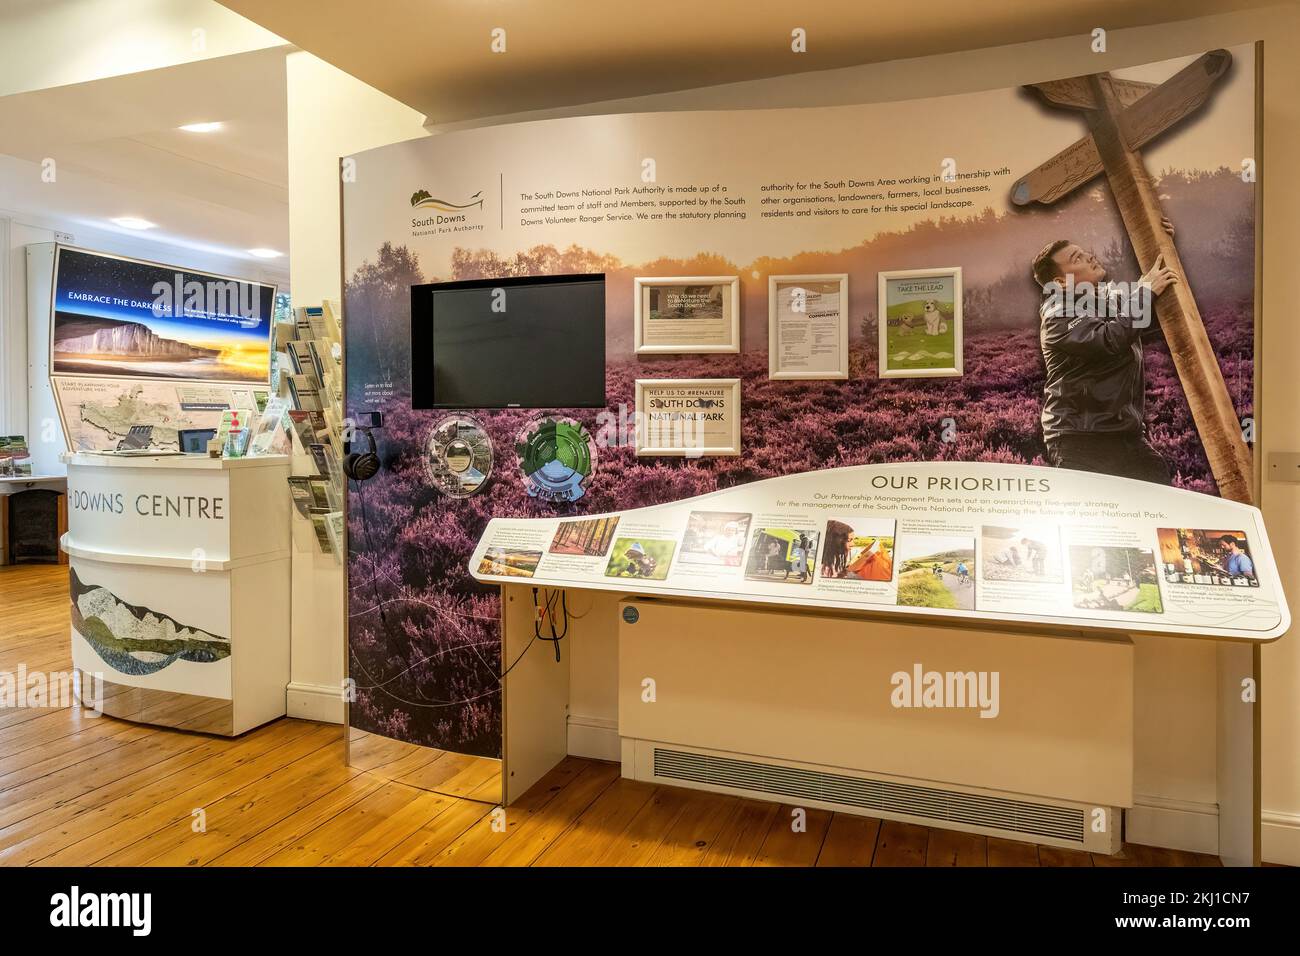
132	222
265	253
201	127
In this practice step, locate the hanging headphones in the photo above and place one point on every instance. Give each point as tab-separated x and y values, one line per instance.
360	465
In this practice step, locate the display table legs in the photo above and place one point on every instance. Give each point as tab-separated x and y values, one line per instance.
1238	754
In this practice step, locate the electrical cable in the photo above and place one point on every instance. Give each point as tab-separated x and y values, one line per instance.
575	616
549	615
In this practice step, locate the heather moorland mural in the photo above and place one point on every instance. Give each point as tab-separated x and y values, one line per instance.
424	636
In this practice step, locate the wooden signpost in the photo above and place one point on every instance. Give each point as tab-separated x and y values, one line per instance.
1122	117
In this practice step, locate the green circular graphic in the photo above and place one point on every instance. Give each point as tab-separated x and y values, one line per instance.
557	456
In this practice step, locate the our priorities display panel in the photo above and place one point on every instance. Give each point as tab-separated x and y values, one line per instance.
977	541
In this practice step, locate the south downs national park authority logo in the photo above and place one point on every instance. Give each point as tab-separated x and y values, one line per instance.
440	217
423	199
557	456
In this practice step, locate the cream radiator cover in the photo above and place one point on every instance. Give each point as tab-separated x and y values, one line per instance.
740	685
927	803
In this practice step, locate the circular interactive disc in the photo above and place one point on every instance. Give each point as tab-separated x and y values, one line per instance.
458	456
557	456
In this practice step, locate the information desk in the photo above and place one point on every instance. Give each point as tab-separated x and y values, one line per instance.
934	550
179	586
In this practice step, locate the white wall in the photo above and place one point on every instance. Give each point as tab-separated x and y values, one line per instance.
331	115
1175	758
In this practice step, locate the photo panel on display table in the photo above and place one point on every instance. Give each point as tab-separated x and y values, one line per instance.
589	538
1215	558
937	571
858	549
783	555
715	538
647	557
1110	578
510	562
1030	554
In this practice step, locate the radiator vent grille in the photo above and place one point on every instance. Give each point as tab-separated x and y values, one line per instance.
930	803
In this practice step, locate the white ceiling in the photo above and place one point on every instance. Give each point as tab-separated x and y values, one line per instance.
436	57
117	151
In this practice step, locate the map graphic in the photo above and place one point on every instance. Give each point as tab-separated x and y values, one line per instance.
98	413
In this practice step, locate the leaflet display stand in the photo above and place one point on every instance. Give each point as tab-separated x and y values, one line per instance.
994	553
180	587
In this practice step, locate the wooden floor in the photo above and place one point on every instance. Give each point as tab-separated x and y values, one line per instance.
78	790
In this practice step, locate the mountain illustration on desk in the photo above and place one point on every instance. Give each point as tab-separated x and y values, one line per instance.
136	640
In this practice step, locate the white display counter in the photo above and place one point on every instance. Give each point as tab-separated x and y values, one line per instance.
180	587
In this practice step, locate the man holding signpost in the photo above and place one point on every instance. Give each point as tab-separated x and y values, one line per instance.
1122	116
1094	397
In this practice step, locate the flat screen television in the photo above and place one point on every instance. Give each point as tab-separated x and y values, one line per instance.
531	342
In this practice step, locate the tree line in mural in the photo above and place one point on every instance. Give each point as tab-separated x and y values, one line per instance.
424	637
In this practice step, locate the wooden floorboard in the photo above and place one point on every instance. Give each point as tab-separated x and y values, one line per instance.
795	837
901	844
742	837
640	839
850	841
608	815
690	837
1011	853
78	789
955	848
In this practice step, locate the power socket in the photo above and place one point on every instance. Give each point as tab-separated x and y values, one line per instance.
1284	466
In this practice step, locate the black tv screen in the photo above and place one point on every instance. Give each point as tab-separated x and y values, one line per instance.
535	342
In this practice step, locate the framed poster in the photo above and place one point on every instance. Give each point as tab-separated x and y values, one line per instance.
688	417
808	327
687	314
920	323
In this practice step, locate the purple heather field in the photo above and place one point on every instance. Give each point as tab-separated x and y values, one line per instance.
424	636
